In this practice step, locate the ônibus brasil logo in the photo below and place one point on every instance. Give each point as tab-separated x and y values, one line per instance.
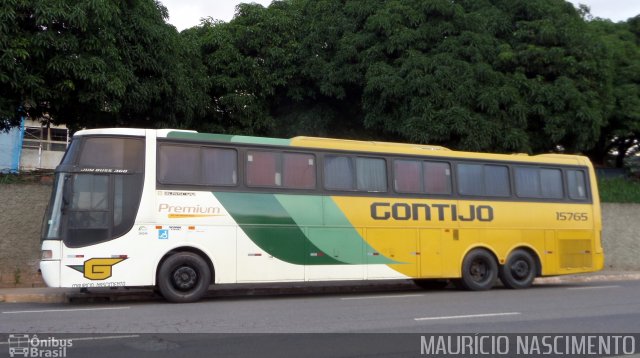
23	345
98	268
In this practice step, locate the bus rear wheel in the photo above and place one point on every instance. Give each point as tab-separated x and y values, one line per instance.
519	271
479	271
183	277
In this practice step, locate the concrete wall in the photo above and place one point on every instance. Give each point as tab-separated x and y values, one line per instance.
32	159
23	207
621	236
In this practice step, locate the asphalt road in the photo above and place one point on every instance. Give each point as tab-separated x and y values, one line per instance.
141	328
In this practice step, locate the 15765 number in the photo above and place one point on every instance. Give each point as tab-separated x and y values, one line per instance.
569	216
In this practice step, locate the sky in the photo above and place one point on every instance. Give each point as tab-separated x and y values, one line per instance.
184	14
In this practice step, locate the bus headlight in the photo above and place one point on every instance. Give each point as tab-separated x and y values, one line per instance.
47	254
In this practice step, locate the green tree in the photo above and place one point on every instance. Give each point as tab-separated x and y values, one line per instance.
94	63
247	60
621	133
499	75
57	55
486	75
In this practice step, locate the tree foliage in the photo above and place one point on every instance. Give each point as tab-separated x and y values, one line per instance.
92	63
491	75
621	133
478	75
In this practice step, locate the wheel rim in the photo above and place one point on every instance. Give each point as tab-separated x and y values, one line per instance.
479	270
520	269
184	278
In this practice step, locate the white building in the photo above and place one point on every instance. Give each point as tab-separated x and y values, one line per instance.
32	146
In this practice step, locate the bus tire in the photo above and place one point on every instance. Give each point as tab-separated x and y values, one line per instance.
479	271
431	284
519	271
184	277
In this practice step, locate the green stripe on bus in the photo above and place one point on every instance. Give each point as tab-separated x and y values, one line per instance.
332	233
228	138
271	227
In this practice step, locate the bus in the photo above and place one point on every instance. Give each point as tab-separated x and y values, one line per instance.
180	210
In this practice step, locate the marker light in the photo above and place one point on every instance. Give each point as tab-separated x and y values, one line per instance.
47	254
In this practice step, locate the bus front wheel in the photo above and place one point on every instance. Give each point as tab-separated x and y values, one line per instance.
479	271
183	277
519	271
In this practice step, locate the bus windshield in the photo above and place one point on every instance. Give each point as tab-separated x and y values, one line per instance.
97	192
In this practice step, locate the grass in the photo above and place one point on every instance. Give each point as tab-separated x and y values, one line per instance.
619	190
9	179
24	178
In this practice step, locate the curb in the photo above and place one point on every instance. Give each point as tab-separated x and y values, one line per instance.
33	298
627	276
245	290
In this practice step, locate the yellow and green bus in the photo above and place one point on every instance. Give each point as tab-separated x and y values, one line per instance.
181	210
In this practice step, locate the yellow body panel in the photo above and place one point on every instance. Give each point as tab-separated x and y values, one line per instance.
430	237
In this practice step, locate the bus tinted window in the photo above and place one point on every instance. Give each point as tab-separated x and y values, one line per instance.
551	183
527	182
483	180
339	173
178	164
577	184
371	174
219	166
70	154
88	215
299	171
496	180
287	170
437	178
413	176
407	176
538	183
262	169
126	199
108	152
470	179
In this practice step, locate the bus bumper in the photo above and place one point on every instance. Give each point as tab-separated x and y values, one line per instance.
50	272
598	261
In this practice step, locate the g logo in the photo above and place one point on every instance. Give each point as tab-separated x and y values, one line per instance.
97	268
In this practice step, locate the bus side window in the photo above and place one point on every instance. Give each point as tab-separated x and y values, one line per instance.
219	166
339	173
483	180
577	184
299	171
178	164
437	177
470	179
551	183
371	174
263	169
407	176
532	182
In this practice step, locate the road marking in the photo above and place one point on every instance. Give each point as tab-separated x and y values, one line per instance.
93	338
591	287
378	297
70	310
468	316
